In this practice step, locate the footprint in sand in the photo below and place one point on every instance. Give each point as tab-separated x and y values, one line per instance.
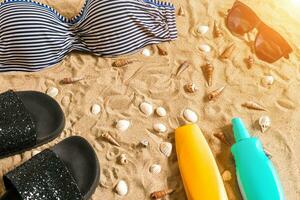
112	153
212	111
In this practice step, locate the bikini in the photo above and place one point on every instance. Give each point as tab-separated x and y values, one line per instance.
34	36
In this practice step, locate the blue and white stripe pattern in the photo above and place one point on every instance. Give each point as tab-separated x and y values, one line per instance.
34	36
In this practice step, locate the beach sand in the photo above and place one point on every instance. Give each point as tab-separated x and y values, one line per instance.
119	92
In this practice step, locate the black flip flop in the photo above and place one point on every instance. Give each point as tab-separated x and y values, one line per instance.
68	171
28	119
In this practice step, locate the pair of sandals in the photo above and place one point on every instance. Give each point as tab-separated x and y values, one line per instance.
68	171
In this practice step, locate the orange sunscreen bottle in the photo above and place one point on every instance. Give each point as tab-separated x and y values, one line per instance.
198	168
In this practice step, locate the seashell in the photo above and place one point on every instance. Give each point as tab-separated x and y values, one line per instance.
190	115
228	52
155	169
205	48
52	92
166	148
146	52
268	80
123	159
181	11
121	63
121	188
264	123
208	71
221	136
66	81
161	51
110	139
227	176
216	93
160	128
217	30
96	109
253	105
161	111
250	61
202	29
191	88
146	108
122	125
182	67
161	194
144	143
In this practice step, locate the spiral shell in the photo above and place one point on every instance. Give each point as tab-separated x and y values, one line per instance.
110	139
253	105
161	194
121	188
214	94
181	11
217	30
250	61
208	71
166	148
146	108
228	52
191	88
123	125
121	63
264	123
66	81
155	169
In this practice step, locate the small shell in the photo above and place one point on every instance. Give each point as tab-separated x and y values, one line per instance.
183	67
166	148
161	111
268	80
226	175
253	105
52	92
96	109
123	125
190	115
70	80
122	188
264	123
146	108
202	29
123	159
228	52
214	94
181	12
155	169
191	88
250	61
217	30
208	71
144	143
161	51
159	127
161	194
146	52
121	63
110	139
221	136
205	48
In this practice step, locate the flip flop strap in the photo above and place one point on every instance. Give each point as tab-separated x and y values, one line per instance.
43	177
17	128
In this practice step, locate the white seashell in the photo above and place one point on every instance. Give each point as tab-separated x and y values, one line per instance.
202	29
264	123
155	169
205	48
268	80
123	159
146	52
96	109
160	111
190	115
166	148
122	188
52	91
159	127
123	125
144	143
146	108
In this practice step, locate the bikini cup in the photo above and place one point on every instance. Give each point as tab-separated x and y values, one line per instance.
34	36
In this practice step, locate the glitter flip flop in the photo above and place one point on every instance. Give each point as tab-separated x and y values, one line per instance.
28	119
68	171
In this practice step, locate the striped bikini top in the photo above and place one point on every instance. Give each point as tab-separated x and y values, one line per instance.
34	36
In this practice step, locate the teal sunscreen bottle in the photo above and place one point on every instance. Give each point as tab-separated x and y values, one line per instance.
256	174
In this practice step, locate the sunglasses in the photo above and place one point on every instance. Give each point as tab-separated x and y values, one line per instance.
269	45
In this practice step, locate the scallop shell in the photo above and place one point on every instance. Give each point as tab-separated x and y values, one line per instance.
268	80
228	52
122	125
155	169
205	48
166	148
122	188
146	108
264	123
159	127
216	93
123	159
96	109
161	111
202	29
190	115
146	52
52	92
227	176
191	87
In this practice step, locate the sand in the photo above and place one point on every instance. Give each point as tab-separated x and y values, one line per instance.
119	91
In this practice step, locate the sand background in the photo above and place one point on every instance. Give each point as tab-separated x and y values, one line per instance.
119	91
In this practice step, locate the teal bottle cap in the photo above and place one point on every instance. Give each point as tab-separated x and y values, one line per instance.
239	130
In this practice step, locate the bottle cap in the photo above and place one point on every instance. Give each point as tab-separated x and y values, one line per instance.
239	130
